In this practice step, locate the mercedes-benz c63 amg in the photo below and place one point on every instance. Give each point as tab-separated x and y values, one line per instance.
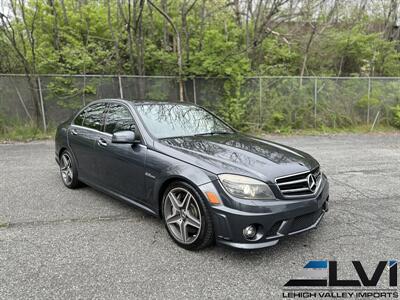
205	180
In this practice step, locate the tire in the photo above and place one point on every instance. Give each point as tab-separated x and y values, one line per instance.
68	170
183	213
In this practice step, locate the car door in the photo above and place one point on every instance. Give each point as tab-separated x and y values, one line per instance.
121	166
82	135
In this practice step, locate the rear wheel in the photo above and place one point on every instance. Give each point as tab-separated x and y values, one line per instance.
186	217
68	170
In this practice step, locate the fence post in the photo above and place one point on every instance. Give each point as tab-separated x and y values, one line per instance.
369	96
315	101
121	92
194	91
23	104
84	88
42	105
260	104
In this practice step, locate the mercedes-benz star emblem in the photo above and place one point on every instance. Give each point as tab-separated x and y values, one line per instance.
311	182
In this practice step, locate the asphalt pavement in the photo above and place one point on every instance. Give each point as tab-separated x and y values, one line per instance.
60	243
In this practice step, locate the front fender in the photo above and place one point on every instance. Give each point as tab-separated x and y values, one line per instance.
162	169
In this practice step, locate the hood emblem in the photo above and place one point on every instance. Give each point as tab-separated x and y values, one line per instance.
312	184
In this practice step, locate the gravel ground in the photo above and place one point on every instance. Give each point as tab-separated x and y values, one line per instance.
61	243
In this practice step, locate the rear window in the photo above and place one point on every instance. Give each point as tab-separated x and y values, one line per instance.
79	118
94	116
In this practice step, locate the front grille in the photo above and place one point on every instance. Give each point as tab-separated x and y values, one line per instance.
305	221
296	185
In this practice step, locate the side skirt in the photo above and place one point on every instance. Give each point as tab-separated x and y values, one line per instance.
120	197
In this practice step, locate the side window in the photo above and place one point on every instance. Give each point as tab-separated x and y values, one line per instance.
79	118
94	116
119	119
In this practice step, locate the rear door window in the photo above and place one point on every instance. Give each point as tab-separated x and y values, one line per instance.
94	116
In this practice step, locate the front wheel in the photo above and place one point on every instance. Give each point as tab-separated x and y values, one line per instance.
186	217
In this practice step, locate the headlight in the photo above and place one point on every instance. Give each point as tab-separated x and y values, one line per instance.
245	187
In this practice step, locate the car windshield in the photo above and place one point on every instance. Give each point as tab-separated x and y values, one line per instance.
174	120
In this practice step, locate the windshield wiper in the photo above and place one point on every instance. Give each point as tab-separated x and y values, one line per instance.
213	133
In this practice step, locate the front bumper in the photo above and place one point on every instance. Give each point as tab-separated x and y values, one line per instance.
274	219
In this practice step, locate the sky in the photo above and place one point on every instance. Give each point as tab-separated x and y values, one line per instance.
4	7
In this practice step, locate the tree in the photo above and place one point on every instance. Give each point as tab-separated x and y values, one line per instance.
160	37
20	34
178	44
315	30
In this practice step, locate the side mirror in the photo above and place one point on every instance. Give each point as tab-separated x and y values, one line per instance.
124	137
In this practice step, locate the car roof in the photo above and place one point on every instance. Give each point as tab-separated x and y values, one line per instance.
144	102
159	103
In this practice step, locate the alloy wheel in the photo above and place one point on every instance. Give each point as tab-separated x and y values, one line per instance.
182	215
66	168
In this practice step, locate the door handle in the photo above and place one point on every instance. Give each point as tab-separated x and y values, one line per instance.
102	142
74	131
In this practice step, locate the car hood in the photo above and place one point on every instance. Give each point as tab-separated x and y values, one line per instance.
238	154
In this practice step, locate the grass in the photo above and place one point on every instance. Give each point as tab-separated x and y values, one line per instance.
24	133
360	129
27	133
3	223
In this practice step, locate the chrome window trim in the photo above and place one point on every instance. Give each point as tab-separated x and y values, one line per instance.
91	129
107	102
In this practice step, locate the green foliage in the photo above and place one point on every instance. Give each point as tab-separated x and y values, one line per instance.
157	92
159	61
365	102
287	104
277	118
233	105
354	52
15	130
93	37
396	116
66	93
322	130
219	57
279	58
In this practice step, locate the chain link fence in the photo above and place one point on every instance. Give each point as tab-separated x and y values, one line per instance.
259	102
